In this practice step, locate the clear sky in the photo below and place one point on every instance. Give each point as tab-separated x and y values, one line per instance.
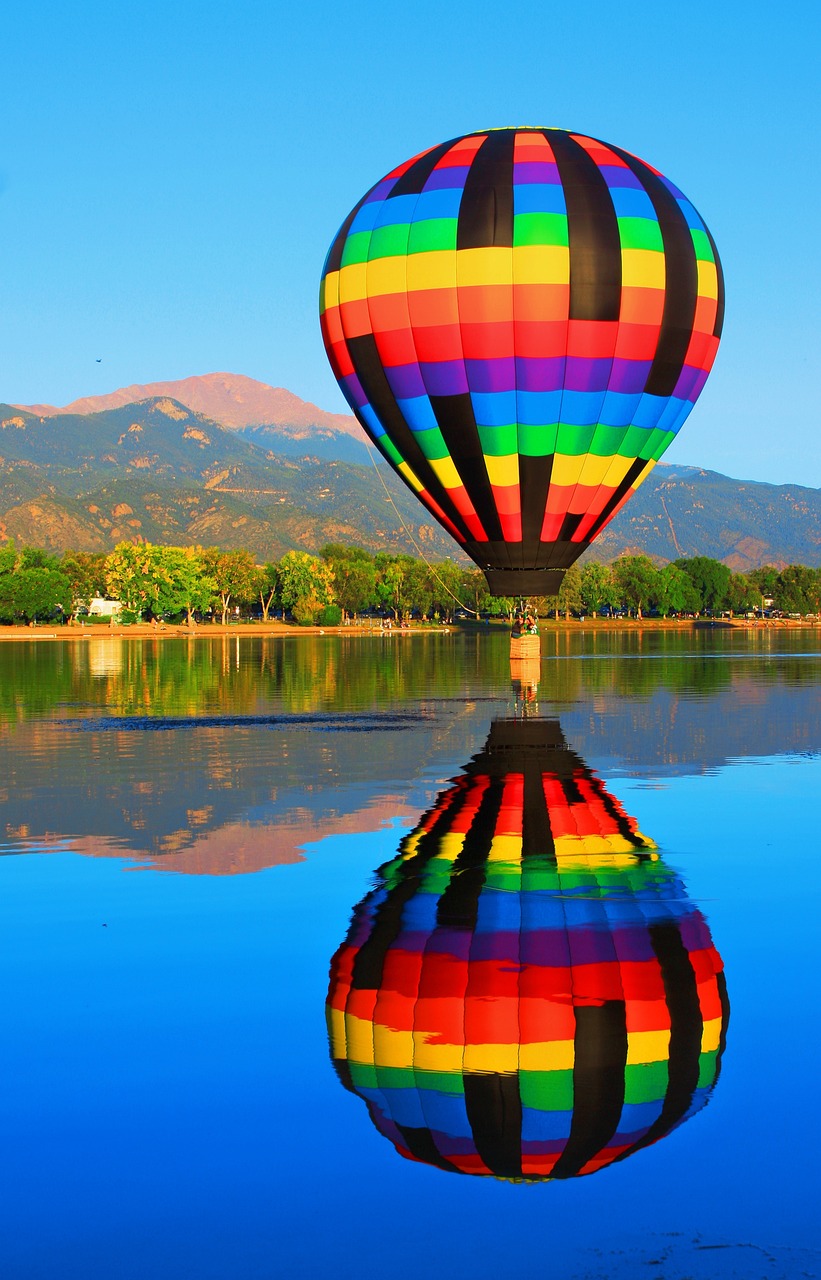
172	174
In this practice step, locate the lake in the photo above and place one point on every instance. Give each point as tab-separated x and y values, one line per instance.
375	956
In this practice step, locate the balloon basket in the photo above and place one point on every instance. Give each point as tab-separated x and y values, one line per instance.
525	648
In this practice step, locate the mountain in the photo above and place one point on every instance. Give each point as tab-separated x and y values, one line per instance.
230	461
158	471
270	416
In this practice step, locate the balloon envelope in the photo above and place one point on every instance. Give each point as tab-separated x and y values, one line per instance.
521	319
528	992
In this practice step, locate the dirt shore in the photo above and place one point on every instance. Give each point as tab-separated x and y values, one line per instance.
205	631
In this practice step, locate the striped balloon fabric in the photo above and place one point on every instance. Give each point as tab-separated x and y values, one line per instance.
527	993
522	319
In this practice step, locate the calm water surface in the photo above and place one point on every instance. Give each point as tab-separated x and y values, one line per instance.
370	956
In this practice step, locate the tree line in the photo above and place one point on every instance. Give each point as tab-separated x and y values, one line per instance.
342	581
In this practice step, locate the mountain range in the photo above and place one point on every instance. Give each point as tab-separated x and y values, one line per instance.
225	460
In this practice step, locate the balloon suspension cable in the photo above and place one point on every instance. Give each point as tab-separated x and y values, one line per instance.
421	553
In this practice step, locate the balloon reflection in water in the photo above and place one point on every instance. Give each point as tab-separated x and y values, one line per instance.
528	993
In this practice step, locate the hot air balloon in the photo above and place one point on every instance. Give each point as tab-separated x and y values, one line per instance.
521	320
527	993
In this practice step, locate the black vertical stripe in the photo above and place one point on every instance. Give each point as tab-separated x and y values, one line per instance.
686	1026
593	233
458	907
633	474
600	1045
494	1111
371	374
420	1144
369	961
681	285
457	422
534	485
413	179
486	210
569	526
537	836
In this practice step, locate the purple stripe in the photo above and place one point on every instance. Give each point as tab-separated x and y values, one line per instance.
536	171
444	377
449	941
690	384
629	376
405	381
539	374
381	190
496	946
352	389
615	176
448	179
585	373
492	375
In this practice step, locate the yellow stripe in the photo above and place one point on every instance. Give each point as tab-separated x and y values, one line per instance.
393	1048
541	264
359	1037
547	1055
443	268
642	268
336	1032
410	476
566	469
707	279
647	1046
506	849
450	845
446	472
433	1057
496	1058
503	471
330	291
711	1035
609	471
353	282
484	266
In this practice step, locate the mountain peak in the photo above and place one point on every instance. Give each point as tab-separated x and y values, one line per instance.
231	399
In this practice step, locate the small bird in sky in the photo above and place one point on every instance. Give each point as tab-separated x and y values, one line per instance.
99	360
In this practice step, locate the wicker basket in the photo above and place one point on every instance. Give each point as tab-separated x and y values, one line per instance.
525	647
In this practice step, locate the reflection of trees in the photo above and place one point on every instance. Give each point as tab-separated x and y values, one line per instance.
250	675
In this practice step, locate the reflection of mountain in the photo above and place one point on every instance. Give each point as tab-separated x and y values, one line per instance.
528	993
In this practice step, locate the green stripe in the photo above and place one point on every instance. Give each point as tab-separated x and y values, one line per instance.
546	1090
707	1065
394	456
355	248
702	246
389	242
432	234
640	233
432	443
646	1081
537	441
499	442
540	228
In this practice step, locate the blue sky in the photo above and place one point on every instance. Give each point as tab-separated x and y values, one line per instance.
171	176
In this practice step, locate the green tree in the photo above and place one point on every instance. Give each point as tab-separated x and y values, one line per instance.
234	575
597	587
711	579
797	589
354	576
637	581
741	594
131	577
36	592
306	585
677	593
184	584
266	585
85	571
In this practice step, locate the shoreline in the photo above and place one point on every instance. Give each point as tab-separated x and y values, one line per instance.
207	630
